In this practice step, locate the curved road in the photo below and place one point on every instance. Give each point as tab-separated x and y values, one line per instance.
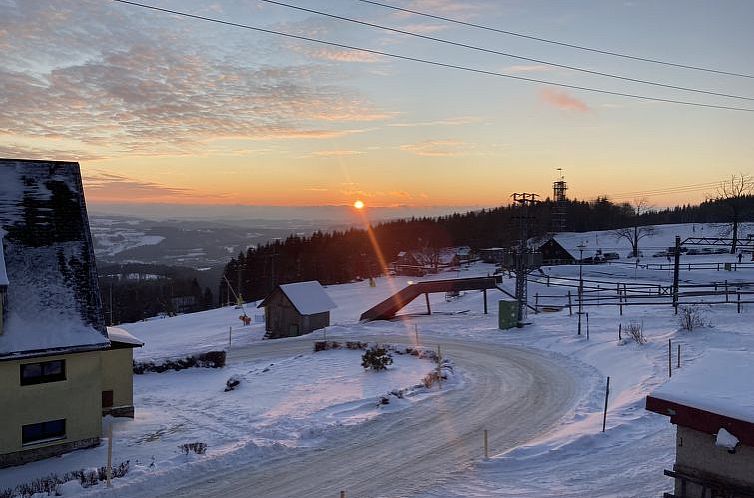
515	393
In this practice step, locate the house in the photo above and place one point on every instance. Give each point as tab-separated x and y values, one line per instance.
296	309
410	264
711	403
492	255
55	352
554	252
117	373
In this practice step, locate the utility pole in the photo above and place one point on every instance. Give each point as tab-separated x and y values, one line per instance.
581	246
676	271
524	259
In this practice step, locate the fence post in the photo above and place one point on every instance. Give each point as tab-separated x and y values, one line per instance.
670	358
738	306
607	395
726	290
570	307
620	327
486	446
587	326
230	336
678	365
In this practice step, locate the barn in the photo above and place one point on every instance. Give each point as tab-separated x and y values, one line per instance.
296	309
554	253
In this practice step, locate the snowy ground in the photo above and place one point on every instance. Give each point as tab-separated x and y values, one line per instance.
572	458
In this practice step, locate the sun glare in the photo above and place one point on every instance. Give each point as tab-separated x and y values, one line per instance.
358	205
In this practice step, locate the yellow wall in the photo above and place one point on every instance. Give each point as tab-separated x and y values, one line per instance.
78	399
117	375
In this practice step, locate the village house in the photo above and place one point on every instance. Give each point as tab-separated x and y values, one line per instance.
296	309
59	368
711	403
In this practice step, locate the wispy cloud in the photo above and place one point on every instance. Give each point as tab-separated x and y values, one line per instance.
562	100
336	153
435	148
456	121
530	68
102	185
116	93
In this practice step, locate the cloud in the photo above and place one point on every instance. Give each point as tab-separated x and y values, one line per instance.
456	121
336	153
562	100
110	187
530	68
116	82
435	148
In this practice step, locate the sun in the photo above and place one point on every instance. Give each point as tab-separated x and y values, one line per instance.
358	204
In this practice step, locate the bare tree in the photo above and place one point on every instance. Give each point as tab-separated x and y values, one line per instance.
636	232
733	193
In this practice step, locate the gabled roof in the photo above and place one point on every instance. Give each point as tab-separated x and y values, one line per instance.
308	298
53	300
118	335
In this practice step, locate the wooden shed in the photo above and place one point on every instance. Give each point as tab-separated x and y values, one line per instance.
296	309
554	253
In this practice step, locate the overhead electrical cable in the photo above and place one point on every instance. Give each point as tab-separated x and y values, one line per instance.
556	42
431	62
504	54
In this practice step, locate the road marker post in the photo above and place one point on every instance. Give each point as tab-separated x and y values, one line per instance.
486	446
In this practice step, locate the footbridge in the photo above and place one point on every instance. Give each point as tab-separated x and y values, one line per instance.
388	308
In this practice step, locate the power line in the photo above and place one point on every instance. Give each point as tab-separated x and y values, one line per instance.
431	62
504	54
555	42
673	188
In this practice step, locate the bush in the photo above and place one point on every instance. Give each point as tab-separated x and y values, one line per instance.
691	317
50	484
232	383
376	358
211	359
635	331
198	448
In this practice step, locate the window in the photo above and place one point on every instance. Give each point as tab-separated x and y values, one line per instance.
107	399
43	431
39	373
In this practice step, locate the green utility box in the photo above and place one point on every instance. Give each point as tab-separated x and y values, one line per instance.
507	314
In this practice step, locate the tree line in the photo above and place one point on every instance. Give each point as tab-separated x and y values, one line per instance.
346	255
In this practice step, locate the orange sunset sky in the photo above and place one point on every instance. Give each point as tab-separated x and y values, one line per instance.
160	108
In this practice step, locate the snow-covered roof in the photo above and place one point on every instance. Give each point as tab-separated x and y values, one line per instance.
117	334
720	382
3	272
53	300
308	298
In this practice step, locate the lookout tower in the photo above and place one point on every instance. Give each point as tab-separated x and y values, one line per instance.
560	204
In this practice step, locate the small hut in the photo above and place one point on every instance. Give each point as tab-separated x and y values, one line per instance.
554	252
296	309
711	403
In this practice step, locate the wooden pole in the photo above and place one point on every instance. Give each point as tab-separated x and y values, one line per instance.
486	446
109	454
570	307
620	328
678	365
726	291
604	413
670	359
230	336
429	308
738	306
587	326
485	300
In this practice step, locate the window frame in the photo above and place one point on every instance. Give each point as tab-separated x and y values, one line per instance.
43	377
47	433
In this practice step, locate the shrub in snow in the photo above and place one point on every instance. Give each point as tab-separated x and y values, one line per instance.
376	358
429	380
232	383
50	484
691	317
198	448
635	331
211	359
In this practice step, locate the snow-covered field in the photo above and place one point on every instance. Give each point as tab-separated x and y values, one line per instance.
299	400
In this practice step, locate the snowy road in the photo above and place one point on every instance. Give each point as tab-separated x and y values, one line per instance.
515	393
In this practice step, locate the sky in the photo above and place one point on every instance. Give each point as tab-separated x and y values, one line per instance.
159	108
